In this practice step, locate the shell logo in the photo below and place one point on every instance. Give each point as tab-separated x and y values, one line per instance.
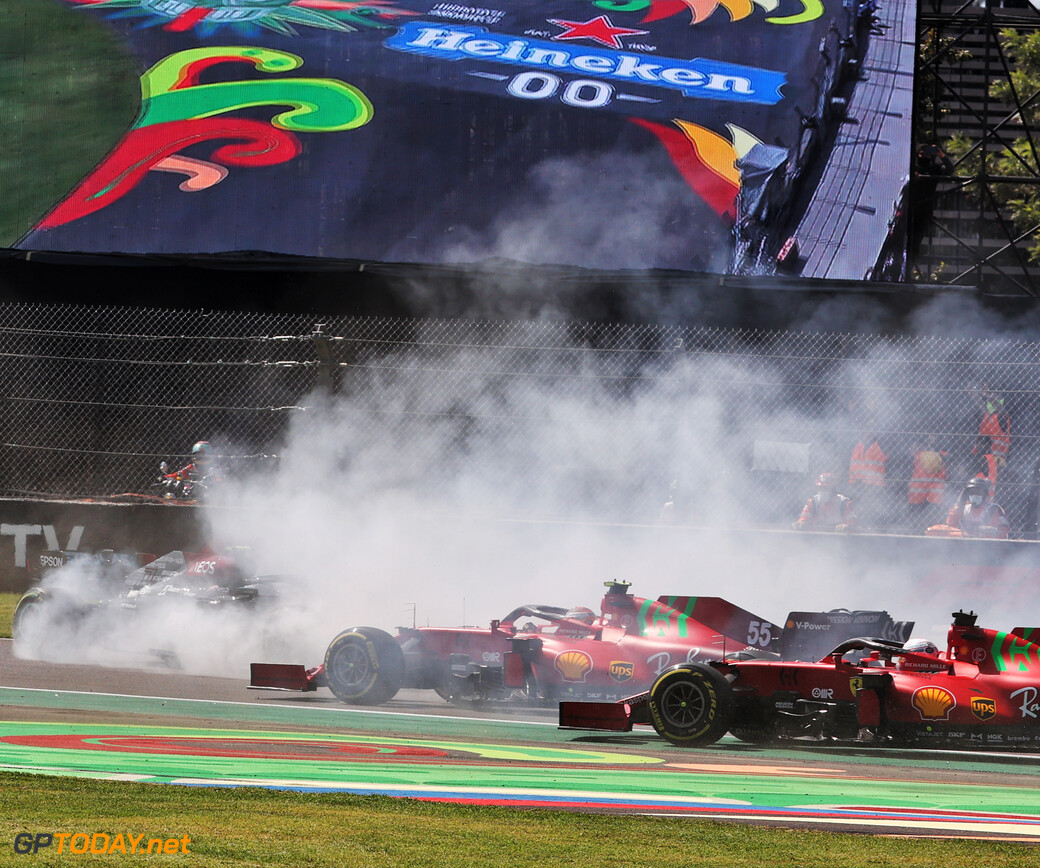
573	665
934	703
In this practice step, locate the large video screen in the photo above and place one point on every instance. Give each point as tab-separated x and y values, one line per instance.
731	136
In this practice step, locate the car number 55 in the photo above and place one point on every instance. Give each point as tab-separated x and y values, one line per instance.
760	633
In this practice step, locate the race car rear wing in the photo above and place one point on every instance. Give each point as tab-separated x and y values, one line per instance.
811	636
804	636
729	620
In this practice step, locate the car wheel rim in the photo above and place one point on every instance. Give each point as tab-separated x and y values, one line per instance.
683	704
351	667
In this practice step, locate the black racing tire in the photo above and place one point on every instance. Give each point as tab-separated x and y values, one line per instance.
45	618
364	666
691	706
29	608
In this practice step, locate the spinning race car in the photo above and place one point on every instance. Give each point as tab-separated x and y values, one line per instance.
983	691
547	653
92	597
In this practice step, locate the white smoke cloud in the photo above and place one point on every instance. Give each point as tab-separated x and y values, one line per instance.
82	613
450	486
466	495
574	211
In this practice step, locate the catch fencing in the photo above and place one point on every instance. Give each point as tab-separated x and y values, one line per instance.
731	425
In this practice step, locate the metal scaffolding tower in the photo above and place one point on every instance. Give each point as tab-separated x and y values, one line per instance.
961	228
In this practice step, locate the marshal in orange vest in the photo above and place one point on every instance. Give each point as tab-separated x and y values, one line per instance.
867	464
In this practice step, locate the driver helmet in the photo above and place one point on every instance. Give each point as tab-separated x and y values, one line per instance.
921	646
200	451
977	490
581	613
826	486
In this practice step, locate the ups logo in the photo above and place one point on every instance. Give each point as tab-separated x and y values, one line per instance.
983	708
621	670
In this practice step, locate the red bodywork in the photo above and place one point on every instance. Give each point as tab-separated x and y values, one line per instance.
627	646
984	690
540	653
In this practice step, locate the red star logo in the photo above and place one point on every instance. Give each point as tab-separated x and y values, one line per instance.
599	29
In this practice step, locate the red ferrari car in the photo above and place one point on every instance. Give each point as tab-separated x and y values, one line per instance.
983	690
545	653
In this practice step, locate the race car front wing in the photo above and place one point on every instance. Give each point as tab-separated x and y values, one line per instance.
285	676
617	716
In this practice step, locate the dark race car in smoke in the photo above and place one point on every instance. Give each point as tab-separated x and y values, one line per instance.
545	653
141	608
982	691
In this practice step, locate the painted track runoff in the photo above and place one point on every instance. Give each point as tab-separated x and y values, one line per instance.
205	731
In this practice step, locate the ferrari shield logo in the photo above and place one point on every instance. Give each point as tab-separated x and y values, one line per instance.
983	708
621	670
855	685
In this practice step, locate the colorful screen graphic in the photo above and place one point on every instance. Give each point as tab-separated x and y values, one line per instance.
734	136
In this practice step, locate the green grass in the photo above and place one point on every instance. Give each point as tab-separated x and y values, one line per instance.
258	827
68	91
8	600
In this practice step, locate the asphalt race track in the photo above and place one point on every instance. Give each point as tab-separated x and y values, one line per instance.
168	727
